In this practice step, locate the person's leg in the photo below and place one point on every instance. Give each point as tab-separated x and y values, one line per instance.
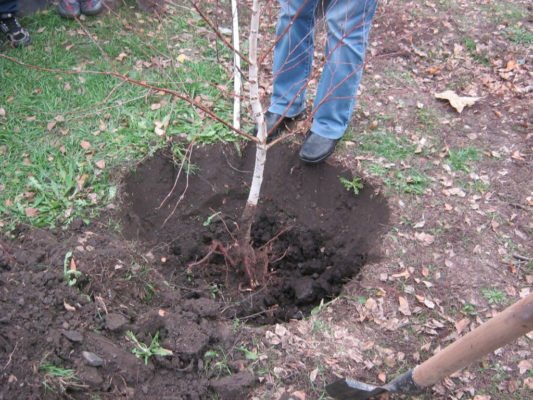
293	56
8	6
10	26
348	23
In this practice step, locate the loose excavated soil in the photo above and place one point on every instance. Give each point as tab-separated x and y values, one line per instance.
328	231
140	283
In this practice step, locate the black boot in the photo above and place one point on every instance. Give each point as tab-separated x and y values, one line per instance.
276	124
316	148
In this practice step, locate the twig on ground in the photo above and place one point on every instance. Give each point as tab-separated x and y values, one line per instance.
182	196
187	159
11	355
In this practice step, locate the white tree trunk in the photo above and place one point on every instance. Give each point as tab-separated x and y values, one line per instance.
261	149
237	84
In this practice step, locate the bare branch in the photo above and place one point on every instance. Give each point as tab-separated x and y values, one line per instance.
193	102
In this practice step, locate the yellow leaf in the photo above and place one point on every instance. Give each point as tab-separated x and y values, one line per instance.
182	58
404	306
456	101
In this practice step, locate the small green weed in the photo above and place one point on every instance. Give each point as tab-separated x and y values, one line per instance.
460	159
469	309
217	361
494	296
210	219
143	351
58	379
70	274
355	184
248	354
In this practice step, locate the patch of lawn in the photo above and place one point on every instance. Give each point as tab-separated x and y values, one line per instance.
506	12
519	35
387	145
471	48
64	134
410	181
461	159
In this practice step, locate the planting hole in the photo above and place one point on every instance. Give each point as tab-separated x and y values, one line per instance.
314	231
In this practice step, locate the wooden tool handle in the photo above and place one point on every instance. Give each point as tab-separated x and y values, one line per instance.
510	324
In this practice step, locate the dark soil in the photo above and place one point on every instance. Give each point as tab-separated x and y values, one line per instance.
318	234
140	283
44	321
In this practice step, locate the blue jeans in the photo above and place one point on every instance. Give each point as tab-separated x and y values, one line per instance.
8	6
348	23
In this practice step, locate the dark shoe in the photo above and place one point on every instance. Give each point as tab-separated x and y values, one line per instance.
69	8
91	7
16	34
316	148
276	125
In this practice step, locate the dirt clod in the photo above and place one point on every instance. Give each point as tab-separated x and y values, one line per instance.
232	387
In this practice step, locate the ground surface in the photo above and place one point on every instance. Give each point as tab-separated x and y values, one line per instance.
441	235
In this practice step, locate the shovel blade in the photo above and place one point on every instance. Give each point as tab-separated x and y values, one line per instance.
349	389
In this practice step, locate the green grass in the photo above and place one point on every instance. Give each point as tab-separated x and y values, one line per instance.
58	379
387	145
217	362
471	48
461	159
505	12
411	181
65	136
519	35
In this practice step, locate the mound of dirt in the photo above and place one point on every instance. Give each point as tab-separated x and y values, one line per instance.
317	233
71	341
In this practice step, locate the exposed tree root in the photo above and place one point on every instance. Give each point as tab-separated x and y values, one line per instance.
254	261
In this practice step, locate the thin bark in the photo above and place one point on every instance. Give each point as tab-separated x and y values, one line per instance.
237	66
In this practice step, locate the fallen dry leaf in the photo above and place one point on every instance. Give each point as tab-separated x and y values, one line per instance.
31	212
80	181
456	101
182	58
404	306
85	145
313	375
121	56
524	366
68	307
425	238
461	325
100	164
